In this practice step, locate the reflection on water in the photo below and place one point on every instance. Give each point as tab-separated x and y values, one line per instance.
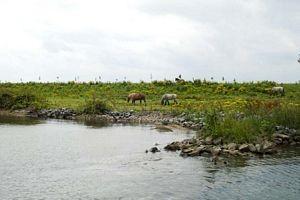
68	160
12	120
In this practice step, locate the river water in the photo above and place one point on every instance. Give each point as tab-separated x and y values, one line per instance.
68	160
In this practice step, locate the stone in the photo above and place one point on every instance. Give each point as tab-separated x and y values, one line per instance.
282	136
208	140
259	148
154	149
197	151
232	146
217	141
252	148
216	151
174	146
268	147
189	150
277	141
244	148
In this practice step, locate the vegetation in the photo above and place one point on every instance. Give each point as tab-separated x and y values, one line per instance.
235	111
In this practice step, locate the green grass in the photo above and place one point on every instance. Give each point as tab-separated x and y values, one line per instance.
199	98
193	96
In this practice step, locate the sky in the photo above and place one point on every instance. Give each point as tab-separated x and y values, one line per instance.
134	40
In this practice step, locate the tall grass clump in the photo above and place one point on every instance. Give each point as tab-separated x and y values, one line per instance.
288	116
95	106
234	129
20	100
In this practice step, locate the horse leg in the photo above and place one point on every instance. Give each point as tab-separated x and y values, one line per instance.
175	101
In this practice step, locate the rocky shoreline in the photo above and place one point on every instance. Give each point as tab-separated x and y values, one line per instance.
215	147
282	137
120	117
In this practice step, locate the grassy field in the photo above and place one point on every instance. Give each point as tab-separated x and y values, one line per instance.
192	96
239	112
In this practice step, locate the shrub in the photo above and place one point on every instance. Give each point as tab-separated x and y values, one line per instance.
95	106
6	99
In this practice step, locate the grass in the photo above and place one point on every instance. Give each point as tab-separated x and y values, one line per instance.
261	110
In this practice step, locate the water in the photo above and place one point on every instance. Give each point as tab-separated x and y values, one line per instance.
68	160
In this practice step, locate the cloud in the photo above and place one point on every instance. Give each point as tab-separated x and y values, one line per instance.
245	40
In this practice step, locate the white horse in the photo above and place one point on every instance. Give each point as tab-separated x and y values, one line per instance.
166	97
277	90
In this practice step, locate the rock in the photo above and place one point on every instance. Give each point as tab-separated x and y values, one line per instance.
232	146
197	151
217	141
208	140
297	138
216	151
165	122
244	148
281	136
252	148
189	150
277	141
174	146
233	152
259	148
268	147
154	149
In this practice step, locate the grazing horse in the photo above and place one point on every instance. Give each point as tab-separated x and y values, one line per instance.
166	97
277	90
136	96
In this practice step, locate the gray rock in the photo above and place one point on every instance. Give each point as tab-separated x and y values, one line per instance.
252	148
244	148
232	146
208	140
259	148
217	141
268	147
154	149
282	136
174	146
216	151
197	151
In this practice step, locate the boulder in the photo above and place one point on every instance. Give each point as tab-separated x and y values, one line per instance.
281	136
277	141
252	148
197	151
268	147
154	149
232	146
208	140
216	151
259	148
174	146
217	141
244	148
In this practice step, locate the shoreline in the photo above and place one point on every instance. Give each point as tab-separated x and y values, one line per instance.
197	146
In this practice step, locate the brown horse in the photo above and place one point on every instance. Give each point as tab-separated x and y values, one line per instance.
136	96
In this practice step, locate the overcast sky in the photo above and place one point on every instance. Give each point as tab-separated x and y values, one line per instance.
245	40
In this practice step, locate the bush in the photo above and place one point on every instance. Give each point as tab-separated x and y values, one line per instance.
95	106
6	100
9	100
